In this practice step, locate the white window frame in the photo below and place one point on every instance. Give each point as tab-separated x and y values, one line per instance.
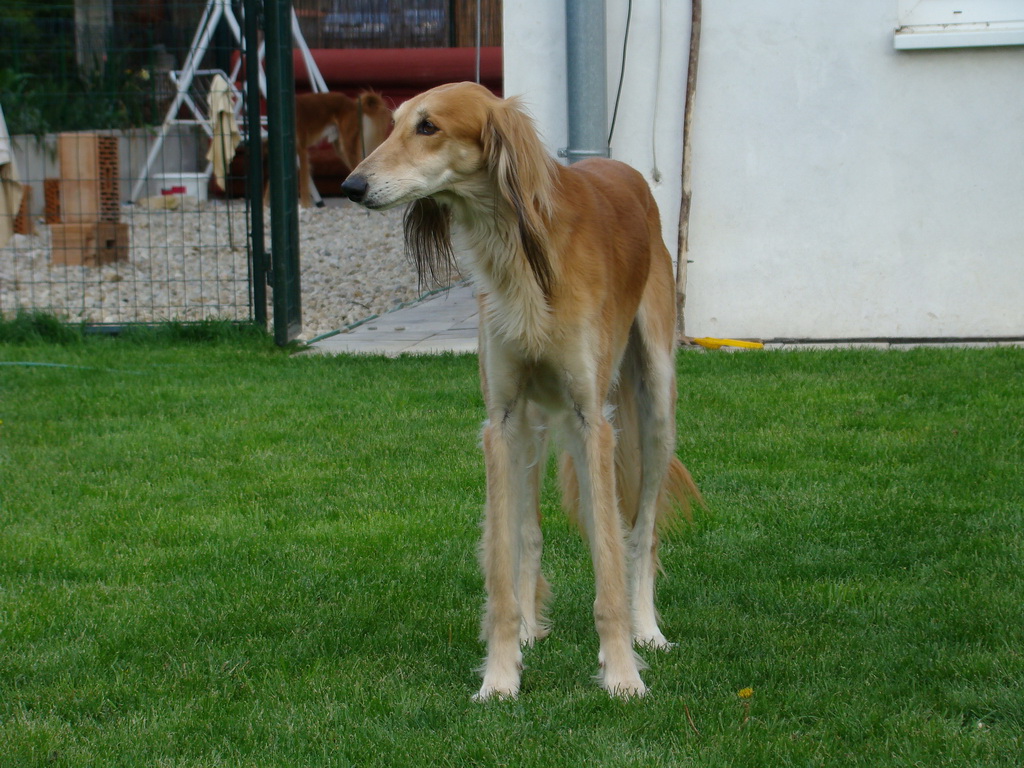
959	23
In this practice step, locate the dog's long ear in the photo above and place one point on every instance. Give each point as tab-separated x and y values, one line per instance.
428	240
524	173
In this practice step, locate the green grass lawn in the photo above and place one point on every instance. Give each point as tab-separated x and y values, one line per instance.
217	554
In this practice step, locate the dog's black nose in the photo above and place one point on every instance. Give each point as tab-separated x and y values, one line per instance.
354	188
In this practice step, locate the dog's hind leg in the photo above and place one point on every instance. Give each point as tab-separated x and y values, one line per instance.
533	589
650	364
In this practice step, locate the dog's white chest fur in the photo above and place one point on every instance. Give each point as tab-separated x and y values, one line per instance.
330	133
516	310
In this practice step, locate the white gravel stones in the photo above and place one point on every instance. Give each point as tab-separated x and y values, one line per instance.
189	262
353	265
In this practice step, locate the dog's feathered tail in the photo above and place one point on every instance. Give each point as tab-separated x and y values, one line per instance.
371	101
679	492
374	121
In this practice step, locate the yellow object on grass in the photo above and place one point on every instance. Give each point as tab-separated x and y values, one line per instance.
709	343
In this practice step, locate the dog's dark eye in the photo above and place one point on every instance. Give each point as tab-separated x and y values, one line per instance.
426	128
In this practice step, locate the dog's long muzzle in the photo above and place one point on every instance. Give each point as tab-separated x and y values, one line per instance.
354	188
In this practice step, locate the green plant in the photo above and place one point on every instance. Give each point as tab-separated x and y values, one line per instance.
44	89
112	98
35	327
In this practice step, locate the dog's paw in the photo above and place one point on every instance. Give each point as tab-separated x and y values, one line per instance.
490	692
501	677
630	688
620	674
654	640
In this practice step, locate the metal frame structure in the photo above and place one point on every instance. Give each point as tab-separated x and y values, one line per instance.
185	78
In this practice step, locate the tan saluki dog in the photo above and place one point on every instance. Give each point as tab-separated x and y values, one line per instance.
577	331
355	127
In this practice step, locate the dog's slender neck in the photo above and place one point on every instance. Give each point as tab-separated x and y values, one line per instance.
488	246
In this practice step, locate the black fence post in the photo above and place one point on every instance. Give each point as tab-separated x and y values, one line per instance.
254	165
284	213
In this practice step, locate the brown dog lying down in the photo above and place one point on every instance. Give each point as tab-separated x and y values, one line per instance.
355	127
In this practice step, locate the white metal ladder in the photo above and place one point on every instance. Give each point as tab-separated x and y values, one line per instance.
189	94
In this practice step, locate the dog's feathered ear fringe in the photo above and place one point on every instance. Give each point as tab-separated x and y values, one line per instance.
523	170
428	240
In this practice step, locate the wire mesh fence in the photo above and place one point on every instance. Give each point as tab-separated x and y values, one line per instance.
118	220
121	216
179	255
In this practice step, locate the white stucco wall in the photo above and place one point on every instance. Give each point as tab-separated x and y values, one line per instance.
648	128
841	189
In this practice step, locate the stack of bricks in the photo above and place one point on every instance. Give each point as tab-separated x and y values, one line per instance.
23	220
89	232
51	201
110	179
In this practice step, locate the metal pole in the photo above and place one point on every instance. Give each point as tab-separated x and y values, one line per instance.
254	148
284	213
588	79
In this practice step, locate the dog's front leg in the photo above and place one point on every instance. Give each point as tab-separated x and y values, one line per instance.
505	461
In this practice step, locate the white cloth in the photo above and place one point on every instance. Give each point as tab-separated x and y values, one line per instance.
226	136
10	185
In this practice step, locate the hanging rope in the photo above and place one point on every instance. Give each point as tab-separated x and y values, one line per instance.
684	205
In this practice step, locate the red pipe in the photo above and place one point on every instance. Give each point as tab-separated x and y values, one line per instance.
399	73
